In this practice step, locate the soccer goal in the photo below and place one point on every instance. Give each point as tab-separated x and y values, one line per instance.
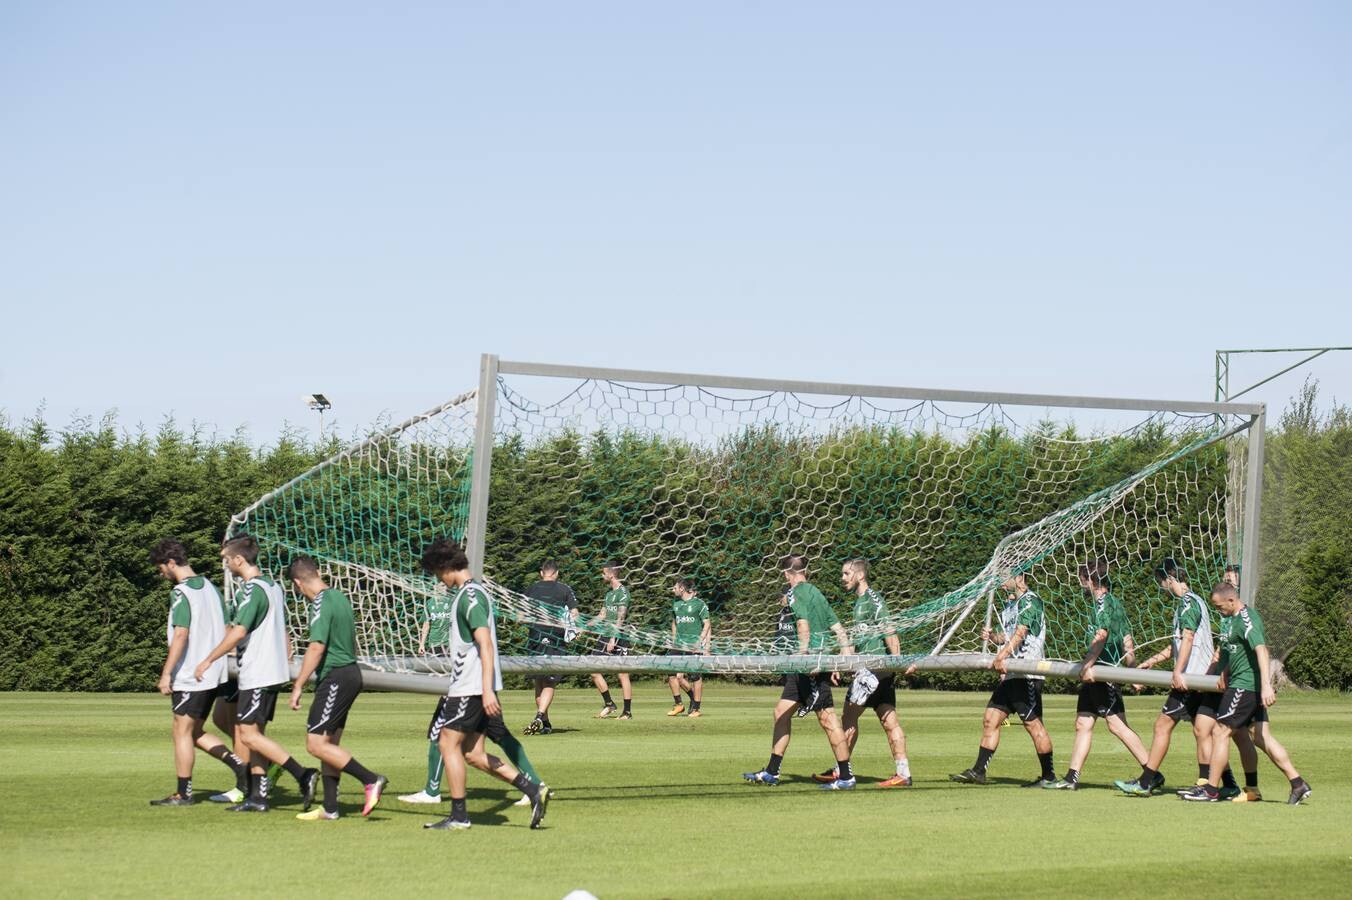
945	493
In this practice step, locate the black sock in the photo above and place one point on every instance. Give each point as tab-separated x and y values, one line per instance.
1228	778
1251	779
773	765
1203	770
1048	773
330	793
1297	782
675	699
605	698
523	784
252	792
843	770
1210	789
627	701
694	705
1073	776
293	768
222	752
1147	777
545	722
983	758
185	787
458	810
359	772
691	692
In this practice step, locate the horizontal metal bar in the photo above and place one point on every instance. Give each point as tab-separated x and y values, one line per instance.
1284	350
549	370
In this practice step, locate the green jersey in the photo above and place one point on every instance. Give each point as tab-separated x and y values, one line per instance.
810	606
690	616
1241	636
331	625
1109	616
436	614
616	603
870	612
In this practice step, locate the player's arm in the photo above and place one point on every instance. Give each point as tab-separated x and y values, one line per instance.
993	637
486	657
704	634
1184	653
177	645
233	635
313	654
1128	650
1008	648
1265	672
1092	656
422	635
804	634
843	637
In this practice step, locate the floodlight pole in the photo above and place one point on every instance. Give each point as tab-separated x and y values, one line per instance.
485	411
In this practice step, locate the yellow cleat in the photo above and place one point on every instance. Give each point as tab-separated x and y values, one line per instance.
695	714
1248	795
676	710
316	815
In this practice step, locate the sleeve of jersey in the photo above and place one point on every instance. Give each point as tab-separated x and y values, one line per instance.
476	610
1030	616
1191	618
704	612
1257	637
319	627
252	608
180	611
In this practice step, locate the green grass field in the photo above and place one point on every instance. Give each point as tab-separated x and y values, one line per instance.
656	808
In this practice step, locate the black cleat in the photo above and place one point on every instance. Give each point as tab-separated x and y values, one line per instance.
173	800
537	807
309	779
450	823
1038	782
969	776
248	806
1298	794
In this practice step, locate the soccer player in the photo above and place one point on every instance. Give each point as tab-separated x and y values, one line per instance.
614	608
872	636
690	629
470	709
816	622
1246	682
258	630
1110	643
333	655
545	640
196	623
1022	636
1192	651
434	624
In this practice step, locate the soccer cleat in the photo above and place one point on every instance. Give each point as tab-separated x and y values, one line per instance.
234	795
538	803
895	781
308	781
1201	795
1188	790
840	784
1061	784
173	800
694	714
1248	795
676	710
535	726
373	794
450	823
1132	788
1038	782
825	777
420	797
248	806
606	711
274	772
761	777
1298	794
317	815
547	729
969	776
1229	793
626	716
1158	786
522	801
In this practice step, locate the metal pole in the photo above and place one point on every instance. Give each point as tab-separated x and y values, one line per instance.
486	410
1253	508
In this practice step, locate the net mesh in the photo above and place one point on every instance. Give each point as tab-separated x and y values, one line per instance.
944	501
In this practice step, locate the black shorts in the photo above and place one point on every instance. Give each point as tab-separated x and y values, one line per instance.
542	642
193	704
811	692
1239	708
1102	700
1021	696
621	647
1186	706
689	676
465	715
256	706
333	700
228	691
885	694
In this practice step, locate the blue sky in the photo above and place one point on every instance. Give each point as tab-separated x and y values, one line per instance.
210	211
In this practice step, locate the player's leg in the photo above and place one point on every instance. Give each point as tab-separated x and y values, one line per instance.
840	749
436	766
1079	752
1118	727
696	683
627	692
1248	759
849	724
608	706
1042	746
1263	740
677	707
224	715
451	744
779	741
544	696
476	756
182	730
896	742
998	708
332	702
1150	780
1203	721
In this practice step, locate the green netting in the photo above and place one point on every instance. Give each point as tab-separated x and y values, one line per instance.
682	481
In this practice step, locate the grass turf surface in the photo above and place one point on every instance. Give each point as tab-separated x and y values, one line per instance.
656	807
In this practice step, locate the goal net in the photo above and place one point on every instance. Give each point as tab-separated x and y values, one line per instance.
714	480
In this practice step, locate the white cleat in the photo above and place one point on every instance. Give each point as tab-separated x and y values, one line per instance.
420	797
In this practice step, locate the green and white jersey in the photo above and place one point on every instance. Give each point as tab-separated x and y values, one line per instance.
196	605
1026	610
436	615
616	602
1241	635
1191	615
471	610
1110	616
690	616
261	609
870	623
331	624
809	605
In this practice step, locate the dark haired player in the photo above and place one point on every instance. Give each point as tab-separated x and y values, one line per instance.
333	655
1246	684
816	622
1023	636
196	624
258	630
470	709
1110	643
549	640
614	608
690	629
